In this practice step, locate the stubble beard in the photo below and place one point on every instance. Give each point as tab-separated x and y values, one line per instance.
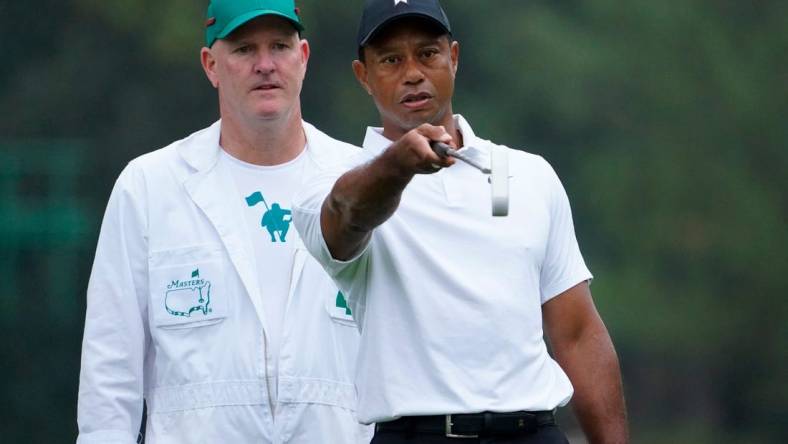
435	119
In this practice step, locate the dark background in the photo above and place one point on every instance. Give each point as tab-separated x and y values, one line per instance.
666	121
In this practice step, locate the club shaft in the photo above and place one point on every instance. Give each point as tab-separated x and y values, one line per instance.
445	150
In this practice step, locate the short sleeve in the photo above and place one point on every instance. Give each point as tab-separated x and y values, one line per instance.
563	266
349	275
306	218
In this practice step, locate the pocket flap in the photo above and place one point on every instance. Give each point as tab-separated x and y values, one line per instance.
339	310
187	294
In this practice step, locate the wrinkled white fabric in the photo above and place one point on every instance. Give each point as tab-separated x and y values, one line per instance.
175	316
449	297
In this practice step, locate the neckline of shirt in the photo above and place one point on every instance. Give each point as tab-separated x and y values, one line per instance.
251	166
376	142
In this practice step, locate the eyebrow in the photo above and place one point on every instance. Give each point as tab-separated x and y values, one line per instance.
392	47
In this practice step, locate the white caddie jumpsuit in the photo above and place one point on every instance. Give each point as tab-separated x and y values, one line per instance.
174	316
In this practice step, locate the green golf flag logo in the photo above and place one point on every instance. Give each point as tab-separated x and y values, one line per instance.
189	296
275	219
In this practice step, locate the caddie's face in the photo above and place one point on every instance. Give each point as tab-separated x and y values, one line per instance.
409	71
258	69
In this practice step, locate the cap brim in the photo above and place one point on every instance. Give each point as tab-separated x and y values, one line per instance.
388	21
244	18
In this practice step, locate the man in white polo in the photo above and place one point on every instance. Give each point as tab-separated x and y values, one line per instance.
451	301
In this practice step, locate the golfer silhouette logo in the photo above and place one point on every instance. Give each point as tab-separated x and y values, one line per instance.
275	219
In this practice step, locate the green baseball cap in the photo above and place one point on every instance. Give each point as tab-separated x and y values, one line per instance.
225	16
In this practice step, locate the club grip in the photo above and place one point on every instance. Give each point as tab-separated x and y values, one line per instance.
440	148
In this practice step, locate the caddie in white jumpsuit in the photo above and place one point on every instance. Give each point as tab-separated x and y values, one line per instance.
202	301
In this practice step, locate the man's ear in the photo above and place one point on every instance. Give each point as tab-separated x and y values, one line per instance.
305	51
360	70
208	62
454	51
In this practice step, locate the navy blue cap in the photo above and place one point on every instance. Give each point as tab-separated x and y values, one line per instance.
378	13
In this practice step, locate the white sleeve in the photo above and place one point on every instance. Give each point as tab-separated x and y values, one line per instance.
109	408
306	217
563	265
349	275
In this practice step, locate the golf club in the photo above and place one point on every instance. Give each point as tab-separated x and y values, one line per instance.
498	172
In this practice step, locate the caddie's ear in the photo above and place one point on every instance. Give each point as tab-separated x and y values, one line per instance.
303	45
208	62
360	70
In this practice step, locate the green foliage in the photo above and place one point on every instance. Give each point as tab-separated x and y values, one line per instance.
665	120
167	30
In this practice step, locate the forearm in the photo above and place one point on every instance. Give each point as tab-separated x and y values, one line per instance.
361	200
367	196
592	366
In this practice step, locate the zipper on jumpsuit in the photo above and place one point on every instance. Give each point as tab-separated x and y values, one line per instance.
295	270
299	259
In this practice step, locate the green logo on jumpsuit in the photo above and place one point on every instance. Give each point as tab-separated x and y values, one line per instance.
342	303
188	296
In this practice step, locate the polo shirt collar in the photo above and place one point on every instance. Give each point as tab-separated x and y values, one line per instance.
376	143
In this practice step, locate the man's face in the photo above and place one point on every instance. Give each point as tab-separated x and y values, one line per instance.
258	69
409	71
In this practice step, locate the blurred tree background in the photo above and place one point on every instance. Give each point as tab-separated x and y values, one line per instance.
665	120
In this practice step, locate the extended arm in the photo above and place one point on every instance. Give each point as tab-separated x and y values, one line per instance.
368	195
583	348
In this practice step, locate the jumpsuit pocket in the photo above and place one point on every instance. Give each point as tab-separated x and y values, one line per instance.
338	309
187	287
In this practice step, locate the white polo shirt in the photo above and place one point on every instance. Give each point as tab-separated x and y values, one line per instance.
448	297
